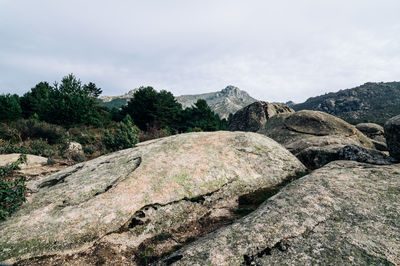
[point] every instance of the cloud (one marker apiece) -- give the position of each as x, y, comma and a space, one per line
277, 51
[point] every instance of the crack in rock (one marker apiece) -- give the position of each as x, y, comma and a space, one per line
58, 179
282, 245
138, 216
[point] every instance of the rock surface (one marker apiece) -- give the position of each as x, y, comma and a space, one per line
134, 205
254, 116
372, 131
74, 147
286, 128
315, 152
32, 160
392, 134
316, 157
344, 213
36, 166
376, 133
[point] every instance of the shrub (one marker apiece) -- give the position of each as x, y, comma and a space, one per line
33, 129
124, 135
78, 157
9, 133
35, 147
154, 133
12, 188
6, 147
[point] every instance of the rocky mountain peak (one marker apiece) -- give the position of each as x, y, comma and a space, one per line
232, 91
223, 102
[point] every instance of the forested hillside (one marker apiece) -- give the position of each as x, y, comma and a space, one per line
371, 102
48, 117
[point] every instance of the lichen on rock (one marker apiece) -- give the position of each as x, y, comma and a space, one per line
344, 213
156, 197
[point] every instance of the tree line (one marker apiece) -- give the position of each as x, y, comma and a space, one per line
71, 103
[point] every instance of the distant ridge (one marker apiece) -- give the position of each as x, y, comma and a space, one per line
223, 103
116, 101
371, 102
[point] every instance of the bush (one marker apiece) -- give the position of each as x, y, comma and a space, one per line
124, 135
35, 147
9, 133
154, 133
12, 188
33, 129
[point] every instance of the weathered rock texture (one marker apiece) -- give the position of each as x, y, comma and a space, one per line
286, 128
372, 131
132, 206
345, 213
315, 152
392, 134
254, 116
32, 160
35, 167
376, 133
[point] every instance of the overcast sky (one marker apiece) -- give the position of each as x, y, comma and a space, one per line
275, 50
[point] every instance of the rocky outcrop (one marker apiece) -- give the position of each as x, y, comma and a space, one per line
133, 206
316, 157
254, 116
376, 133
392, 134
224, 102
372, 131
315, 152
344, 213
286, 128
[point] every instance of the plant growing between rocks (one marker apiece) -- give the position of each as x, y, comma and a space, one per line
12, 188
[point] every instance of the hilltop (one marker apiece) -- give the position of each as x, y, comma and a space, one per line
223, 103
371, 102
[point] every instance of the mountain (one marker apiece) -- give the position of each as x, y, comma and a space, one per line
223, 103
371, 102
116, 101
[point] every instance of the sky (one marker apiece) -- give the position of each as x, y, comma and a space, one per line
275, 50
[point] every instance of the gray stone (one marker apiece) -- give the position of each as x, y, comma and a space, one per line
346, 213
287, 128
376, 133
155, 197
380, 146
315, 152
254, 116
316, 157
392, 134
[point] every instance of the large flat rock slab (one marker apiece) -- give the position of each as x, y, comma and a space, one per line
344, 213
158, 195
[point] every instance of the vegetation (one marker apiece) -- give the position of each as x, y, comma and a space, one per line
67, 104
44, 120
123, 136
10, 107
371, 102
12, 188
151, 109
